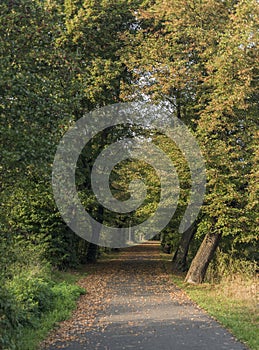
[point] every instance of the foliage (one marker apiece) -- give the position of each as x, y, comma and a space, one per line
202, 58
28, 292
30, 215
61, 59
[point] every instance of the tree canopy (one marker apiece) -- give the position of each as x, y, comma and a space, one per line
62, 59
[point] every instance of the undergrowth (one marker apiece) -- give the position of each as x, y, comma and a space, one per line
32, 297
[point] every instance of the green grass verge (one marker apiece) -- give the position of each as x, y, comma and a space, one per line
67, 293
238, 315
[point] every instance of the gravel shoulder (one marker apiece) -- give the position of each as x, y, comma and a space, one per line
131, 303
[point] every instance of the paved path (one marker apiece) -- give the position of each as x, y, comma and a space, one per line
145, 310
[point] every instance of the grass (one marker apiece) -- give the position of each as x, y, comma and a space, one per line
109, 255
232, 302
67, 293
70, 277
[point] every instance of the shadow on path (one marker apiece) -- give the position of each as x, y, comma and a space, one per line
139, 308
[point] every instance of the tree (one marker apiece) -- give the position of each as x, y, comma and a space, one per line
226, 126
201, 57
93, 39
32, 110
168, 58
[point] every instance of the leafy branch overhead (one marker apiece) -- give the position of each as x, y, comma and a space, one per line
62, 59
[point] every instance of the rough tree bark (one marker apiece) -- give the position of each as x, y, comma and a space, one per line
179, 261
200, 263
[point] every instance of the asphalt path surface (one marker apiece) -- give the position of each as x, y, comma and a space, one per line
140, 308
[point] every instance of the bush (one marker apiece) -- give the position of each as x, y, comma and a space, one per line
32, 238
24, 288
30, 215
9, 320
33, 294
27, 300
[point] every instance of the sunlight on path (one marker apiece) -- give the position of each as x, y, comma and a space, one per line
135, 305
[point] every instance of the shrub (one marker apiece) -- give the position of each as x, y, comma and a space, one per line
33, 294
9, 319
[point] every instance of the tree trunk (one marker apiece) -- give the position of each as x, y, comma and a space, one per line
92, 251
200, 263
180, 256
91, 255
